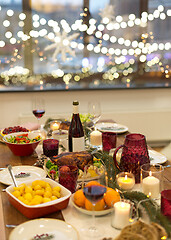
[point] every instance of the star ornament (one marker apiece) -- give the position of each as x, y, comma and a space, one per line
107, 14
61, 44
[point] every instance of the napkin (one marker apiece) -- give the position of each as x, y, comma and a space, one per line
79, 220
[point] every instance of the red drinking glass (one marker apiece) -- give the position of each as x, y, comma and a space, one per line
166, 203
134, 154
50, 147
68, 176
108, 140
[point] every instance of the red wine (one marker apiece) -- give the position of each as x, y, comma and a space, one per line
76, 139
38, 113
94, 193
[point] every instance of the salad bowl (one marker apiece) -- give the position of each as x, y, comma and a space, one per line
22, 143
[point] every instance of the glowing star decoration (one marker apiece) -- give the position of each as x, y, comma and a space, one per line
61, 44
107, 14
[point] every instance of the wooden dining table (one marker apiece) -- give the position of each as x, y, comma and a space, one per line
10, 215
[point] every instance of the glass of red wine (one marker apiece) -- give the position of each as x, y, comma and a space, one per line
38, 108
94, 193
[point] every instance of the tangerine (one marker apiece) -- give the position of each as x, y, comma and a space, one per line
111, 196
100, 205
79, 198
92, 183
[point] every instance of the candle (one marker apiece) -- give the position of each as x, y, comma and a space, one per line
151, 186
126, 182
96, 138
54, 126
121, 215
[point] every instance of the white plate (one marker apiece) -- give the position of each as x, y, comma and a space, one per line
59, 229
97, 213
111, 127
35, 173
156, 157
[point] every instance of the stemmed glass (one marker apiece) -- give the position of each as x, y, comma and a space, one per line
38, 108
94, 192
94, 109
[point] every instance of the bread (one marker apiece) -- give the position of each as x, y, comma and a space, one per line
79, 159
130, 236
146, 230
161, 231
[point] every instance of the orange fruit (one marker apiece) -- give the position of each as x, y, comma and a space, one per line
92, 183
111, 196
79, 198
100, 205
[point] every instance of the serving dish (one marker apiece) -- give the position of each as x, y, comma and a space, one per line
42, 209
57, 229
22, 173
111, 127
25, 149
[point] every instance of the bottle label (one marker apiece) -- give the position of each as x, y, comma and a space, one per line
78, 144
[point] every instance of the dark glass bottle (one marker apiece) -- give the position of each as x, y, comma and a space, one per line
76, 139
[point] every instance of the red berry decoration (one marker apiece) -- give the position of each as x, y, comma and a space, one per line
14, 129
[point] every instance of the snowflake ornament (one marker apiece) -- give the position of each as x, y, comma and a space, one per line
61, 44
107, 14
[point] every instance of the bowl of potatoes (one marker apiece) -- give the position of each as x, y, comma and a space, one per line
39, 197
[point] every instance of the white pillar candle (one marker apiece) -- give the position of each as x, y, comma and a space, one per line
126, 182
54, 126
121, 215
96, 138
151, 186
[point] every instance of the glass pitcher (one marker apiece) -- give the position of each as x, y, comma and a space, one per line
134, 154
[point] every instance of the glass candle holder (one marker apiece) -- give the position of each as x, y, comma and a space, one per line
166, 201
68, 176
125, 180
152, 179
108, 140
50, 147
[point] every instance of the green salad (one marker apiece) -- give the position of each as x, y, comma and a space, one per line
22, 139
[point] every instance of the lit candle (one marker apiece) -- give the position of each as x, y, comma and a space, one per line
151, 186
126, 182
54, 126
96, 138
121, 215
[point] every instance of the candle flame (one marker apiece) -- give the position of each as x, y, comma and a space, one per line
150, 173
126, 176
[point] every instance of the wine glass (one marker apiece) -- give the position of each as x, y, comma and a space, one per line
94, 109
94, 193
38, 108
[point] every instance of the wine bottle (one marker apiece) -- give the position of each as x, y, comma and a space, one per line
76, 139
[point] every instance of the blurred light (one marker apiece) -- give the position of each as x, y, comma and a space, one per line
167, 46
117, 51
119, 18
98, 34
43, 21
13, 40
109, 26
20, 34
8, 34
150, 17
121, 41
135, 44
131, 51
160, 8
113, 39
127, 43
21, 24
130, 23
116, 26
22, 16
137, 51
144, 14
90, 47
161, 46
85, 62
124, 51
100, 27
2, 43
6, 23
73, 44
156, 13
162, 16
42, 32
123, 24
131, 61
137, 21
101, 61
10, 13
169, 12
140, 44
92, 21
97, 49
51, 35
104, 50
80, 46
142, 58
36, 24
111, 51
132, 16
105, 20
106, 36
